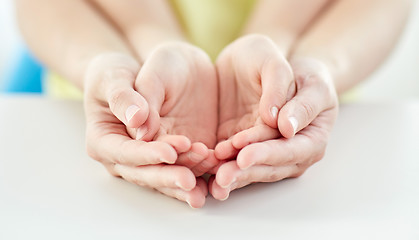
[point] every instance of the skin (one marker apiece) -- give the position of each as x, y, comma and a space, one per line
188, 75
259, 158
267, 82
151, 98
145, 163
327, 57
109, 70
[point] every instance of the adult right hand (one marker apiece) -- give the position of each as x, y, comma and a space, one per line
111, 105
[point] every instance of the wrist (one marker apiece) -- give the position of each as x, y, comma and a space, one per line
282, 40
334, 61
306, 68
107, 66
155, 37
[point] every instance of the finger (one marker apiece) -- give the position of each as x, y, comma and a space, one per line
216, 191
120, 149
258, 133
314, 95
125, 103
158, 176
300, 111
150, 128
225, 150
229, 173
225, 183
150, 86
180, 143
206, 164
216, 167
197, 153
277, 87
282, 151
195, 198
202, 185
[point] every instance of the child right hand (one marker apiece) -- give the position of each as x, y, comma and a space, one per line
110, 94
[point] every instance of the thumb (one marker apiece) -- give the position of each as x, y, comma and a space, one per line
300, 111
125, 103
152, 89
277, 87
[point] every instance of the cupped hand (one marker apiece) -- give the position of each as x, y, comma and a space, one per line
179, 83
313, 111
255, 82
109, 96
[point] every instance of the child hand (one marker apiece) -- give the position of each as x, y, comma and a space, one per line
255, 82
179, 83
109, 92
314, 107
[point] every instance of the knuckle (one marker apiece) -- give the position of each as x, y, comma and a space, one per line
116, 97
301, 167
257, 39
138, 181
111, 170
120, 73
291, 156
275, 176
310, 79
318, 156
308, 110
121, 157
92, 151
298, 173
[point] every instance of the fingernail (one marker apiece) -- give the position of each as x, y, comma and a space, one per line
195, 157
178, 184
131, 111
294, 123
189, 202
229, 184
248, 166
141, 132
167, 161
274, 112
225, 198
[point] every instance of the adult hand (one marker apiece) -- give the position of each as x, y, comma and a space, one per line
109, 97
312, 110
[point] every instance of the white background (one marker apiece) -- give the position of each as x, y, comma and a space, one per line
397, 78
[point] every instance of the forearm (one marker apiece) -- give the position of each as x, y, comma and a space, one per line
144, 23
66, 35
353, 37
282, 20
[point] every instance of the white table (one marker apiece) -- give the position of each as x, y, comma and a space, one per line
366, 187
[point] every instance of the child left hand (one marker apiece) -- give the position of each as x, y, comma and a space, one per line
255, 82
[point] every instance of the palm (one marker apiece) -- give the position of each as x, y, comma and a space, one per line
190, 107
239, 106
180, 85
240, 122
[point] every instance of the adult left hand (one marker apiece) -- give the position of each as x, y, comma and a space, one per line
311, 113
